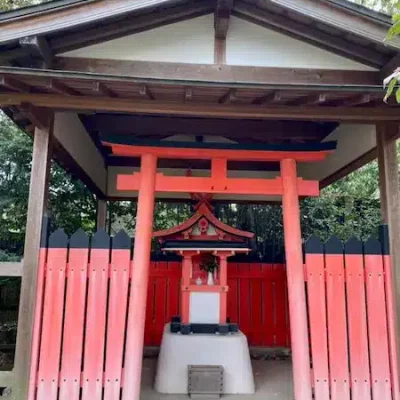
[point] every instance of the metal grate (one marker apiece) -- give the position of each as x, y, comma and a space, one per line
205, 381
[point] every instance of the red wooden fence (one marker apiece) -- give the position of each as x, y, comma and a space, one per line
351, 318
82, 306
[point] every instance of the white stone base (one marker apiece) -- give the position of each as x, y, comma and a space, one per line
178, 351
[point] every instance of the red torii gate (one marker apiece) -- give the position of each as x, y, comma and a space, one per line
147, 182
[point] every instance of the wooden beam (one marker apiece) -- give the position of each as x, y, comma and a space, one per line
144, 91
61, 88
11, 269
221, 18
235, 111
228, 97
39, 117
312, 99
38, 48
219, 51
37, 201
14, 84
101, 215
101, 89
178, 184
390, 207
304, 31
220, 73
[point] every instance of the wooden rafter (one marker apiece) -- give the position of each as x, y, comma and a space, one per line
61, 88
273, 97
14, 84
38, 48
221, 18
228, 97
357, 100
314, 99
316, 113
101, 89
144, 91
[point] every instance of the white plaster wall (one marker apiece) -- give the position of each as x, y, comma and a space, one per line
353, 141
250, 44
190, 41
70, 132
204, 308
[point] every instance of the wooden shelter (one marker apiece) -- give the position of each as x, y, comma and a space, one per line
248, 95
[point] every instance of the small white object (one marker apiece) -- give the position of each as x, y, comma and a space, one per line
210, 279
199, 282
179, 351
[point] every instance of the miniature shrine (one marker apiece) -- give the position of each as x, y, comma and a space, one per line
205, 243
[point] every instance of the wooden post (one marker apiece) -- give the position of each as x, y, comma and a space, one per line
296, 285
38, 191
140, 277
101, 215
386, 134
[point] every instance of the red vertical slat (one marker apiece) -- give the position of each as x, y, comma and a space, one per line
244, 302
50, 348
377, 327
149, 323
233, 294
174, 270
95, 322
71, 363
37, 327
116, 318
268, 305
337, 330
357, 325
160, 303
315, 273
256, 309
280, 293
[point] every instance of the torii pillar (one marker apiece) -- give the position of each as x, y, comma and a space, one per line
140, 278
295, 279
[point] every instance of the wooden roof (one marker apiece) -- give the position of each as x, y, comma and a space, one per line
64, 25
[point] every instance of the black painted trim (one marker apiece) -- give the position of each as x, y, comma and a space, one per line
334, 246
79, 240
372, 247
101, 240
353, 246
384, 239
129, 140
44, 233
58, 240
314, 245
121, 241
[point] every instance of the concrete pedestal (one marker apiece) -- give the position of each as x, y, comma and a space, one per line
178, 351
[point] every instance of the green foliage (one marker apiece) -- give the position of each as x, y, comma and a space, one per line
385, 6
6, 5
71, 203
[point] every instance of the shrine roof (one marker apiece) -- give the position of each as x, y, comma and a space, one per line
203, 212
174, 245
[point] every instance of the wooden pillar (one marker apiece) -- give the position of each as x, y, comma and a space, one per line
223, 281
38, 191
185, 297
296, 285
101, 215
386, 134
140, 277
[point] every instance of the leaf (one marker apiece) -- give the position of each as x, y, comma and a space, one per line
398, 95
390, 89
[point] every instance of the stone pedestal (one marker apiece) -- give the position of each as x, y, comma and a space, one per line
178, 351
